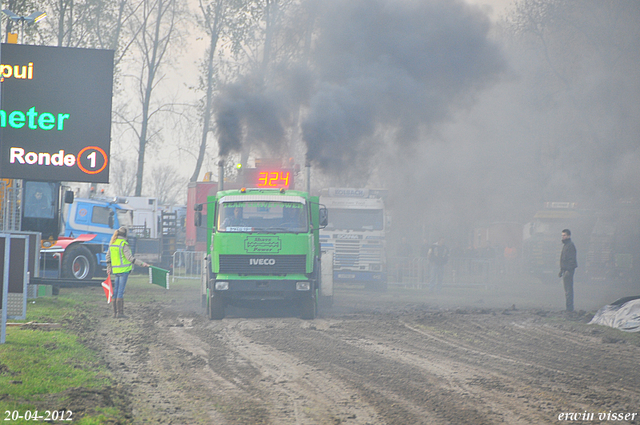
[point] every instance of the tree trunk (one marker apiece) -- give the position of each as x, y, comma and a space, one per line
206, 118
152, 64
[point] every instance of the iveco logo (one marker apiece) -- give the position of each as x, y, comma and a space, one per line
262, 261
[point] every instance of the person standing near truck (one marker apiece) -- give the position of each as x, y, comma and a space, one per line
568, 265
120, 262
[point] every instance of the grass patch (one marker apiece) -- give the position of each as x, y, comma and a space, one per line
51, 369
46, 362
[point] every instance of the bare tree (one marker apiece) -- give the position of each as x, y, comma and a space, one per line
82, 23
168, 185
577, 62
157, 29
123, 176
99, 24
254, 33
265, 39
213, 19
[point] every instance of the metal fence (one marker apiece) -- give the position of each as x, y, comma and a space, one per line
187, 264
10, 196
459, 271
406, 271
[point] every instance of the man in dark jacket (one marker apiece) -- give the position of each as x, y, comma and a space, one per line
568, 265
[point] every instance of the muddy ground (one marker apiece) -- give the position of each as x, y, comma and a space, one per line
504, 353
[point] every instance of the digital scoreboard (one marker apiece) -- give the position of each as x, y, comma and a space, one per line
268, 178
55, 115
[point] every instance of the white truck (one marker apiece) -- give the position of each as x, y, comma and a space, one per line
355, 235
146, 216
158, 229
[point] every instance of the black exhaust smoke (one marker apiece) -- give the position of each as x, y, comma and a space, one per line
391, 70
380, 72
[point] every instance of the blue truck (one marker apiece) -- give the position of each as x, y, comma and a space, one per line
75, 232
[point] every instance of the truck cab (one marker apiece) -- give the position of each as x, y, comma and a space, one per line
263, 248
80, 251
97, 216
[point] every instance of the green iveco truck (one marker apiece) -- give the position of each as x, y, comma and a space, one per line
263, 248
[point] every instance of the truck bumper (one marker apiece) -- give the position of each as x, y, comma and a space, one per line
260, 290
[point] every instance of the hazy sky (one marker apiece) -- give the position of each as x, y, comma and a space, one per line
494, 8
184, 76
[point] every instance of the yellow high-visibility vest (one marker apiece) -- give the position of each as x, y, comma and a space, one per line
119, 264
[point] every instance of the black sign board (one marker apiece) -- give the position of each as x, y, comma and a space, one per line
55, 119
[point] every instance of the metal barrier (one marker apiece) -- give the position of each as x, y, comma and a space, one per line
10, 196
472, 271
459, 271
140, 230
406, 271
187, 264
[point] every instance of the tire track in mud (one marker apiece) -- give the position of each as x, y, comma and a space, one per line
457, 380
401, 391
582, 380
513, 386
568, 353
290, 392
496, 392
151, 368
379, 366
275, 386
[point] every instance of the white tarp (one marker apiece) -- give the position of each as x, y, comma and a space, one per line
623, 314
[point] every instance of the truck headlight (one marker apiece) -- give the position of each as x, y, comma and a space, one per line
303, 286
222, 285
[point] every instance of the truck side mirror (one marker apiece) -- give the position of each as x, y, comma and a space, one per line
111, 219
323, 217
68, 197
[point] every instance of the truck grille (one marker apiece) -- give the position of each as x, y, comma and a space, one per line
262, 264
355, 254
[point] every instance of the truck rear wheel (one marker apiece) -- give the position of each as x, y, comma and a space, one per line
309, 307
215, 309
79, 263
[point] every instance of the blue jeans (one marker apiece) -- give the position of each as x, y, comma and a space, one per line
119, 281
567, 280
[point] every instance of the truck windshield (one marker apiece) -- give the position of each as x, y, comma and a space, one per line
263, 216
41, 208
355, 219
39, 201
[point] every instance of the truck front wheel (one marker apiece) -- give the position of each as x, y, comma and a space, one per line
215, 309
309, 307
78, 263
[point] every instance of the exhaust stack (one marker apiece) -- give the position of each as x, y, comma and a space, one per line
221, 175
307, 166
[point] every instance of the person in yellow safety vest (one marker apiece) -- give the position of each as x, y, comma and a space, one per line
120, 262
